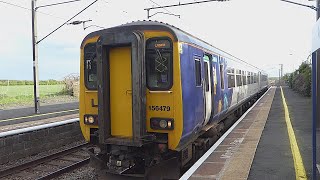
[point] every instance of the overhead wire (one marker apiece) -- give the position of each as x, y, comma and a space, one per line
4, 2
160, 5
67, 21
169, 12
40, 12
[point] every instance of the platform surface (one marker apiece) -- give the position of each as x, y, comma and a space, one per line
23, 115
274, 159
232, 159
259, 147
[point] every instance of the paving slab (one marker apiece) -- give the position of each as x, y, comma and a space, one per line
273, 159
36, 122
232, 159
21, 115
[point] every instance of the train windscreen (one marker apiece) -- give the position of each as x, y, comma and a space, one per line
90, 65
159, 63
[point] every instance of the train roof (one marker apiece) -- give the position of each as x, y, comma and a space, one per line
177, 33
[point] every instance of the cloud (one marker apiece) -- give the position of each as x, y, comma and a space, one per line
260, 32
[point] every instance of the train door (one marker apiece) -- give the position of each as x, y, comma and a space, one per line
121, 88
239, 89
120, 91
259, 79
200, 113
207, 88
214, 82
222, 98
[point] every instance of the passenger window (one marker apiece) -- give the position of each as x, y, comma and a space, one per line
231, 79
255, 78
221, 76
159, 64
244, 78
197, 65
238, 77
239, 80
249, 78
90, 65
252, 78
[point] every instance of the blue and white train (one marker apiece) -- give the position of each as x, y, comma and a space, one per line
150, 93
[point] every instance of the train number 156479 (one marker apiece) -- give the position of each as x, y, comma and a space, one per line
159, 108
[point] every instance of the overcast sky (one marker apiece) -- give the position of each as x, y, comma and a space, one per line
261, 32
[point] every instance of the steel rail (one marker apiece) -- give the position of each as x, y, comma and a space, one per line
15, 169
65, 169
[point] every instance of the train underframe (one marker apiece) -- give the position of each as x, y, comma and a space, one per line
153, 159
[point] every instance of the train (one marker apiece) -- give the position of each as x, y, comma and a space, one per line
152, 95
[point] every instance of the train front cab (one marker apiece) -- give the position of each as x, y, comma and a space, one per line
138, 120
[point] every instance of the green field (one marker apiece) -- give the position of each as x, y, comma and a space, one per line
27, 90
24, 93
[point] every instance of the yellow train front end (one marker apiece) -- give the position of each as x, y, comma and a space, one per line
88, 90
131, 99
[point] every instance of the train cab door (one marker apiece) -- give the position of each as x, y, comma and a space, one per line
121, 88
120, 91
207, 87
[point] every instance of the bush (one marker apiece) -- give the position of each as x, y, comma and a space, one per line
27, 82
300, 80
3, 96
71, 83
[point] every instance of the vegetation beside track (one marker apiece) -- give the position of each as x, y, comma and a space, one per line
28, 82
300, 80
18, 93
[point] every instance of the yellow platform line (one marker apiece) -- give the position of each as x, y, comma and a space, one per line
38, 115
297, 159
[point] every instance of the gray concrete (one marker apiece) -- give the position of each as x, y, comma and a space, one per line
36, 128
15, 113
273, 158
22, 145
300, 110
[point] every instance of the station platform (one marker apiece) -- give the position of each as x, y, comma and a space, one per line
273, 140
14, 119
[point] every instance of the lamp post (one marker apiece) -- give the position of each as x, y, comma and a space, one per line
315, 102
280, 73
35, 58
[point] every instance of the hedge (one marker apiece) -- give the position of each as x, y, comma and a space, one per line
300, 80
27, 82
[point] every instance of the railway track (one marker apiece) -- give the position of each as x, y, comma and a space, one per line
50, 166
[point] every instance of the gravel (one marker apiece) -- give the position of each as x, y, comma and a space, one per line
86, 173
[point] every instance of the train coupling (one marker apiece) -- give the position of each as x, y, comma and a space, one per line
119, 165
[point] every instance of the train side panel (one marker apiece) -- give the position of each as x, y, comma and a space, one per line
192, 95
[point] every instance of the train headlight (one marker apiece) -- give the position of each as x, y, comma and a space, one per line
161, 123
90, 119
